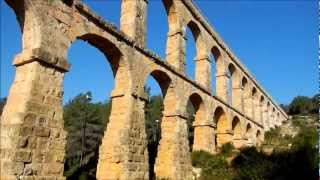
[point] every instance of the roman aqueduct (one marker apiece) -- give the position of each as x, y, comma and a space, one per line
32, 135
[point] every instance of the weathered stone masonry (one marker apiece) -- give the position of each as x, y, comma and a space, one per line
32, 138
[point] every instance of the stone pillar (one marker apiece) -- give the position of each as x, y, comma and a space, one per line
203, 72
244, 142
204, 137
246, 133
239, 142
236, 90
272, 122
242, 101
254, 108
239, 139
224, 137
248, 105
237, 97
133, 19
222, 86
260, 139
33, 140
257, 111
250, 142
123, 153
175, 52
270, 118
265, 119
262, 113
173, 159
271, 125
278, 120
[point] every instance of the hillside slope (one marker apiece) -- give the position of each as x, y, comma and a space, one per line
288, 152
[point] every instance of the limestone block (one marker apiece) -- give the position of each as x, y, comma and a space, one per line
12, 168
22, 156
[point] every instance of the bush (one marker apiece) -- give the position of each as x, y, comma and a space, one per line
213, 166
227, 149
298, 121
300, 162
274, 133
251, 164
203, 159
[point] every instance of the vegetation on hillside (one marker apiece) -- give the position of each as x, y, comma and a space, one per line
299, 161
212, 166
274, 138
292, 157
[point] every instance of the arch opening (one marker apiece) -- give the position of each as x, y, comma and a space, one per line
192, 38
254, 102
249, 133
249, 130
268, 118
196, 116
160, 100
258, 138
236, 128
273, 116
262, 109
231, 83
221, 122
215, 56
245, 92
111, 52
254, 92
88, 110
245, 96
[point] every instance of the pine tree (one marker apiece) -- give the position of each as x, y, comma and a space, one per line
85, 123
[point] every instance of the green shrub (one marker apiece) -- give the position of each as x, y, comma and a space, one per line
203, 159
251, 164
272, 134
297, 121
213, 166
227, 149
299, 162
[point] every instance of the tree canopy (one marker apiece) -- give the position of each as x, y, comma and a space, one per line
85, 123
304, 105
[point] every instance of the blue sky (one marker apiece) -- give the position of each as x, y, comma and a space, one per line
275, 40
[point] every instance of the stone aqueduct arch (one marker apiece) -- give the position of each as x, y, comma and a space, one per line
32, 135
